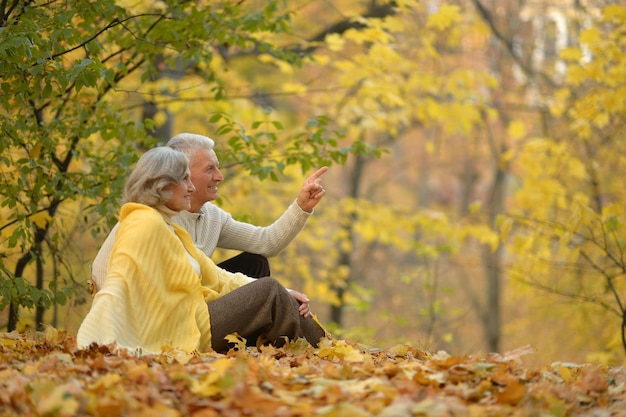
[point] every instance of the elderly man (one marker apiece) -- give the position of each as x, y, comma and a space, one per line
211, 227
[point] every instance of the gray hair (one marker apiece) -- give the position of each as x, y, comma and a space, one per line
156, 169
188, 143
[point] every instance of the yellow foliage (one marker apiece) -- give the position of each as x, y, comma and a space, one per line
615, 13
335, 42
294, 88
475, 206
375, 35
52, 398
209, 383
560, 101
41, 219
160, 118
590, 36
575, 75
284, 67
394, 24
145, 6
446, 16
571, 54
339, 350
516, 129
321, 59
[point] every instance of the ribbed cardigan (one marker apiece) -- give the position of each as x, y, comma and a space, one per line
213, 227
152, 297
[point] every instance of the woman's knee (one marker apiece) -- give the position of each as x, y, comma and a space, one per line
268, 283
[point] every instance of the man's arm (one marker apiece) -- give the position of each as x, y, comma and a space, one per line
267, 241
215, 227
271, 240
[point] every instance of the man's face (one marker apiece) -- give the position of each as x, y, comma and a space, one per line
205, 175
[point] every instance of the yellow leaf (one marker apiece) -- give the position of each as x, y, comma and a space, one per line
297, 347
212, 383
52, 335
54, 399
41, 219
571, 54
265, 58
322, 60
576, 169
516, 129
394, 24
238, 341
575, 75
615, 13
294, 88
339, 350
590, 36
36, 150
601, 120
335, 42
105, 382
475, 206
160, 118
444, 18
343, 410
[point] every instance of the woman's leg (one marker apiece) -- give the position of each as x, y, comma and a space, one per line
261, 308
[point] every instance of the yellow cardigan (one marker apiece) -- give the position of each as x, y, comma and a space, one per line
152, 297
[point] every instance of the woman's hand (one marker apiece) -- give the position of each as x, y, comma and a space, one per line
305, 308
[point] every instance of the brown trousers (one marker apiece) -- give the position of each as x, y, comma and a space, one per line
263, 308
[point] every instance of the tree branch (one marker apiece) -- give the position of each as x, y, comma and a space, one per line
508, 44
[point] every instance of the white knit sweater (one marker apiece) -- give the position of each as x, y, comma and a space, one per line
213, 227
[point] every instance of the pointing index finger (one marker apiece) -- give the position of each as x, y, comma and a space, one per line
318, 173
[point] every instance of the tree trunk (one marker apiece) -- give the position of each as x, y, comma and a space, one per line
492, 263
39, 309
345, 260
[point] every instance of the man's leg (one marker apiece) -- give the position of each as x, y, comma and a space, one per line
261, 308
250, 264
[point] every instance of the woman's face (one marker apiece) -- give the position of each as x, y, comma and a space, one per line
181, 193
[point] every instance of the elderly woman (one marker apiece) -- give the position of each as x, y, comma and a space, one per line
161, 291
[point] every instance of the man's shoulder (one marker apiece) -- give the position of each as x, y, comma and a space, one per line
209, 212
210, 208
212, 212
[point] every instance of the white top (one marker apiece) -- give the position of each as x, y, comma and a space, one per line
213, 227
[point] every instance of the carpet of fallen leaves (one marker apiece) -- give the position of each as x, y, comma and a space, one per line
44, 374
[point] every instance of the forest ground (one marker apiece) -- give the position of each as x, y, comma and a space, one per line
44, 374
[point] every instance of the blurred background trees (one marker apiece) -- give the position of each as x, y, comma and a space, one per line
474, 201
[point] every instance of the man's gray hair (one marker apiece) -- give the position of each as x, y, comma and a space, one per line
188, 143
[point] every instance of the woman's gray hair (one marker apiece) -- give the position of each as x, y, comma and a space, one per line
156, 169
189, 143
